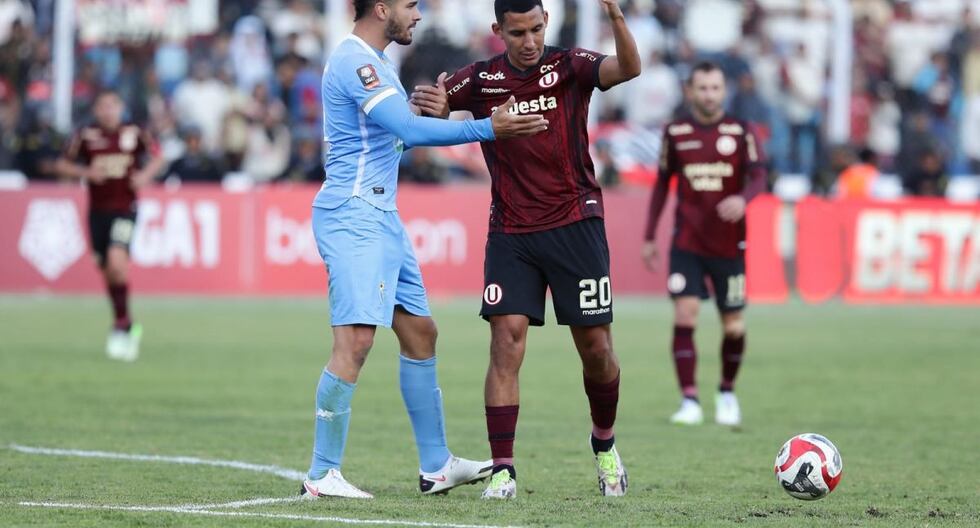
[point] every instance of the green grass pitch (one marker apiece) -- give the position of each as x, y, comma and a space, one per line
896, 388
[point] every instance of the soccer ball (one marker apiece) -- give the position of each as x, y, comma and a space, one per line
808, 466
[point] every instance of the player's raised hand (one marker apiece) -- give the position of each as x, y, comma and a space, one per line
432, 100
508, 125
732, 209
611, 8
651, 255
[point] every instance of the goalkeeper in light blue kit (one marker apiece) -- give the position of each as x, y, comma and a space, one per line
374, 275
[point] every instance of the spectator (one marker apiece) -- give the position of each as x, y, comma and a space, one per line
748, 105
250, 55
422, 168
202, 102
884, 127
9, 117
267, 150
910, 43
40, 146
653, 96
803, 85
196, 165
306, 161
917, 142
300, 25
857, 181
928, 177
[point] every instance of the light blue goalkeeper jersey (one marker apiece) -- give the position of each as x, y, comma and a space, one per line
367, 123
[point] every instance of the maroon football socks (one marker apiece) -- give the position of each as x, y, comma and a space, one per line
685, 360
501, 426
603, 400
119, 296
732, 349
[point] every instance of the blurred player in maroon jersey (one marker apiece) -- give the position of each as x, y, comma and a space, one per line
546, 226
115, 159
720, 168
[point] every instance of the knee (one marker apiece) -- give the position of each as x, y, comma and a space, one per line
734, 327
507, 345
360, 345
422, 344
597, 349
115, 274
686, 315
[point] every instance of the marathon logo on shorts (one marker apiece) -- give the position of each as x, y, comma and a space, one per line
368, 76
493, 294
378, 190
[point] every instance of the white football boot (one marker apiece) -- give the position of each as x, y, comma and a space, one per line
332, 484
456, 472
689, 413
612, 474
727, 411
502, 486
117, 345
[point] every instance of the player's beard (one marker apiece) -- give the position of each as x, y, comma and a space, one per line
396, 32
709, 111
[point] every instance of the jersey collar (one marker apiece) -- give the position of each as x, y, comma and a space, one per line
365, 45
524, 73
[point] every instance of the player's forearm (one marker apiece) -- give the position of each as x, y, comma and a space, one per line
657, 201
416, 131
755, 184
70, 169
627, 54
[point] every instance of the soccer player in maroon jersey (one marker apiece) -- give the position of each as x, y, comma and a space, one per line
546, 226
720, 168
115, 159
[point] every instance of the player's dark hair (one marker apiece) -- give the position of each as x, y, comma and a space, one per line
361, 7
703, 67
103, 92
501, 7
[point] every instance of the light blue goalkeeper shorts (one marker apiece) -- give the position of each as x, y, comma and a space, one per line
370, 262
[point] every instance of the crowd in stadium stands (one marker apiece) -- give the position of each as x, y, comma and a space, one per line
246, 99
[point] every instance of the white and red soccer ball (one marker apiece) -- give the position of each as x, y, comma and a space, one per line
808, 466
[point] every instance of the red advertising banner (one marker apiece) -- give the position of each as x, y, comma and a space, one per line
914, 250
203, 240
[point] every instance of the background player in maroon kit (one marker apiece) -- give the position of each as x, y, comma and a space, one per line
114, 159
720, 168
546, 227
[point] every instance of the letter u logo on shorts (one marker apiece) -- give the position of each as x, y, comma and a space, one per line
493, 294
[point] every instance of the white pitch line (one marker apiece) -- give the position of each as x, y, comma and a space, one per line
282, 472
284, 516
242, 503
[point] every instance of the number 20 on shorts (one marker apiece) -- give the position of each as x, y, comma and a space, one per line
595, 293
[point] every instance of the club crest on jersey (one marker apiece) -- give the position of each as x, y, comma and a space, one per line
726, 145
493, 294
368, 76
128, 139
548, 80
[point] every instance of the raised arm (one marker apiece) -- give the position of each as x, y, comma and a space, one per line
626, 64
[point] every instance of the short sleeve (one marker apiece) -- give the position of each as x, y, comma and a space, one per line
754, 152
459, 88
361, 77
585, 64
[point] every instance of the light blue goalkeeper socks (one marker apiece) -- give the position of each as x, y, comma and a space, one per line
333, 397
423, 401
